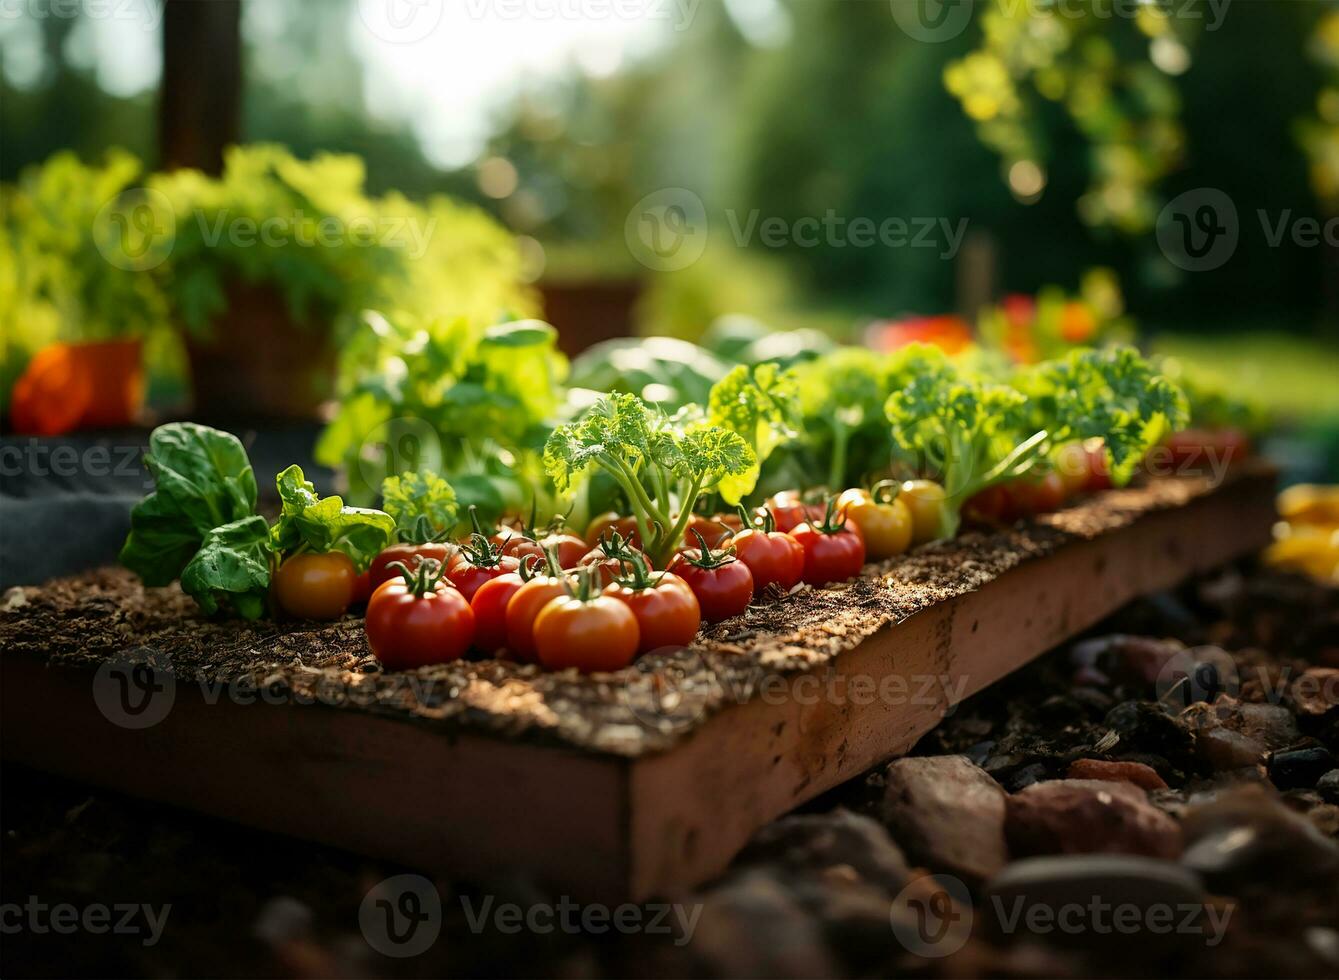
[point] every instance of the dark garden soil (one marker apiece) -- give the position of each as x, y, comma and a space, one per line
1219, 801
84, 620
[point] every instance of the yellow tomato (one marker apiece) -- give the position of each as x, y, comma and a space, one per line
925, 500
886, 527
1308, 503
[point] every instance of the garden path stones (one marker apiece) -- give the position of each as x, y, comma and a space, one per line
752, 926
1104, 901
948, 813
817, 842
1078, 816
1143, 776
1299, 768
1246, 840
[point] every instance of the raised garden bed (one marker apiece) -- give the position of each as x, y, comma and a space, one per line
633, 784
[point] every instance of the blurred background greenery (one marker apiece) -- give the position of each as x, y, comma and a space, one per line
1056, 131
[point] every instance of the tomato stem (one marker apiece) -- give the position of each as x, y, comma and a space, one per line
423, 578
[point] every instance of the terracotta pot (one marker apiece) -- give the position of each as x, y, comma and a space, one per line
586, 312
256, 363
88, 385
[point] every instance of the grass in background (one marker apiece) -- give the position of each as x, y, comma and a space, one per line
1295, 377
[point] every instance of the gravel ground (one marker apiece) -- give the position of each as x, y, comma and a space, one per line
1161, 796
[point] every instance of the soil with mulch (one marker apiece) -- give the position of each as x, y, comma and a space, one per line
1179, 758
84, 620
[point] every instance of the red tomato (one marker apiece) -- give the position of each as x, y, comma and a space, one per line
1029, 497
412, 624
789, 511
489, 606
608, 562
521, 612
723, 588
362, 588
411, 554
988, 506
472, 568
715, 530
610, 521
598, 633
315, 586
832, 552
1099, 470
771, 556
666, 610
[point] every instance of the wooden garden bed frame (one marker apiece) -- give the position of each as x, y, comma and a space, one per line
611, 827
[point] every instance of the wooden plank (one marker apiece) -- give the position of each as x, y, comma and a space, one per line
606, 826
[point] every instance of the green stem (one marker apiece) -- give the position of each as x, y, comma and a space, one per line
665, 546
841, 435
636, 496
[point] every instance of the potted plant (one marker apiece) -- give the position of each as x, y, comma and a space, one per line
76, 307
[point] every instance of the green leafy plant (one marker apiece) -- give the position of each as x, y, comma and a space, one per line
661, 464
974, 432
205, 492
422, 504
760, 404
309, 522
841, 398
443, 394
200, 523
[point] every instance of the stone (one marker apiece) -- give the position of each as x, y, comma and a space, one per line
1300, 767
1224, 749
1328, 786
1272, 725
815, 842
1145, 777
1316, 691
948, 814
1025, 776
1070, 900
1080, 816
1245, 839
751, 925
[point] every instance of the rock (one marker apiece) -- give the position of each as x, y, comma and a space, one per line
1081, 816
1316, 691
852, 914
1272, 725
1246, 840
980, 752
1224, 749
815, 842
1145, 726
1325, 818
1026, 776
1300, 767
1328, 786
752, 926
1072, 901
948, 814
1145, 777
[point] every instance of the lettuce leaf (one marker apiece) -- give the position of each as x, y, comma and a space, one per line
232, 568
203, 480
309, 522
